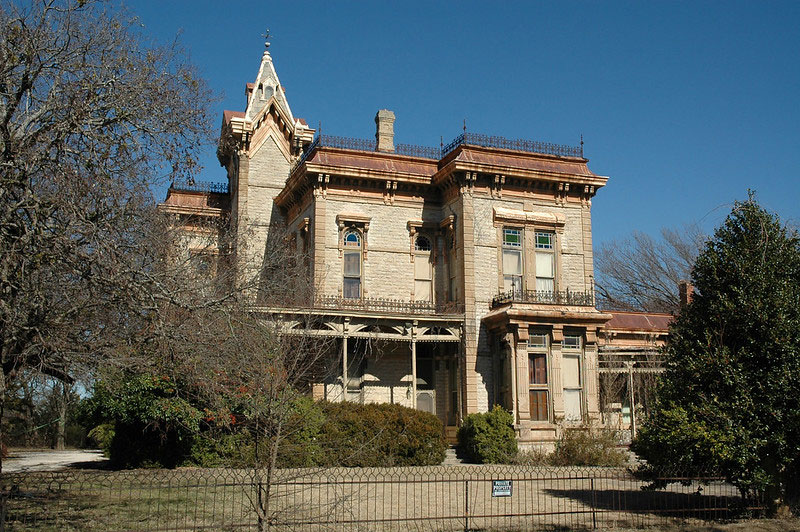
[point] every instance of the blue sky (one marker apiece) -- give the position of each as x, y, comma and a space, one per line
684, 105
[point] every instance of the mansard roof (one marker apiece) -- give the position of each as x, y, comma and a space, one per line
518, 159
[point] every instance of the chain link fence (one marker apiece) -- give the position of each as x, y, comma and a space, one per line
386, 499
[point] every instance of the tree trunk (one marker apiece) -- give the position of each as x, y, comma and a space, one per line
62, 417
2, 422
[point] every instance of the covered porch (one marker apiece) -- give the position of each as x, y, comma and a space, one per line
387, 357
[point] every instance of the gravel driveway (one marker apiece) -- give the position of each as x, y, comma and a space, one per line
49, 460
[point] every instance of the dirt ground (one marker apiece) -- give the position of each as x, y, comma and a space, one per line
751, 525
49, 460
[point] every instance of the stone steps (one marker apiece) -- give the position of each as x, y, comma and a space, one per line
451, 458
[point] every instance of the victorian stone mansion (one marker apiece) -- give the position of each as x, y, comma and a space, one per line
469, 265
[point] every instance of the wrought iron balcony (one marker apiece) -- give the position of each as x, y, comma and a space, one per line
565, 297
394, 306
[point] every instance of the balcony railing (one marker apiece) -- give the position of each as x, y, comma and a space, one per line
393, 306
199, 186
532, 146
429, 152
565, 297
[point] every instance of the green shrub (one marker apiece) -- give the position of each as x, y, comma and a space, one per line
488, 438
379, 435
146, 423
300, 446
102, 436
587, 446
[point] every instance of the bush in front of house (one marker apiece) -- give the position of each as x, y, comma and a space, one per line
587, 446
143, 421
488, 438
379, 435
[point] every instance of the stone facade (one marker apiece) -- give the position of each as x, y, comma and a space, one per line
451, 279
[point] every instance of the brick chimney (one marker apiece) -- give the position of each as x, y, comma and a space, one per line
384, 131
686, 292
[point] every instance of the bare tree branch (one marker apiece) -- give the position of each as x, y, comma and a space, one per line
642, 273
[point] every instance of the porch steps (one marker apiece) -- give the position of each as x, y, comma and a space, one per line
451, 458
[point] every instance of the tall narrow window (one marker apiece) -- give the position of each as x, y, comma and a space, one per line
512, 260
571, 377
452, 270
352, 265
423, 269
537, 377
545, 262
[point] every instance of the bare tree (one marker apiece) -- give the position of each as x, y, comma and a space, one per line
642, 273
91, 117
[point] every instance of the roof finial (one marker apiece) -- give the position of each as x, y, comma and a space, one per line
465, 125
266, 36
581, 144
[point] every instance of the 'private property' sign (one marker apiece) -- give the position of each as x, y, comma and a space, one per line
501, 488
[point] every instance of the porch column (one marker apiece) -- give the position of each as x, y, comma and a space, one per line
414, 365
556, 385
591, 376
521, 363
631, 398
345, 377
512, 363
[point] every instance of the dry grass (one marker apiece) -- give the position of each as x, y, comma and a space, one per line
419, 498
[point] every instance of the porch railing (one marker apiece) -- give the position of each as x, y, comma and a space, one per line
542, 297
387, 305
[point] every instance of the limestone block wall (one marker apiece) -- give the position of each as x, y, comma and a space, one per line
387, 269
260, 220
573, 244
487, 260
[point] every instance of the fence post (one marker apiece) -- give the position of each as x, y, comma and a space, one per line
594, 506
466, 506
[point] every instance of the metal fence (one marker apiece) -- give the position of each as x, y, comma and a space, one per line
415, 498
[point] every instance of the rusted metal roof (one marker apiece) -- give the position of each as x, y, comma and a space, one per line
526, 161
640, 321
377, 161
227, 115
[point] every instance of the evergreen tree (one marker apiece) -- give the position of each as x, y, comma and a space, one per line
730, 398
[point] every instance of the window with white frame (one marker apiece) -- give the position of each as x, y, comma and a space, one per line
545, 262
423, 269
538, 381
572, 381
351, 284
512, 260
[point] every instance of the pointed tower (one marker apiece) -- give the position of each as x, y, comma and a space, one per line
258, 147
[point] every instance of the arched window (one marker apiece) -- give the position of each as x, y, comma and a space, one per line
352, 239
422, 243
352, 264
